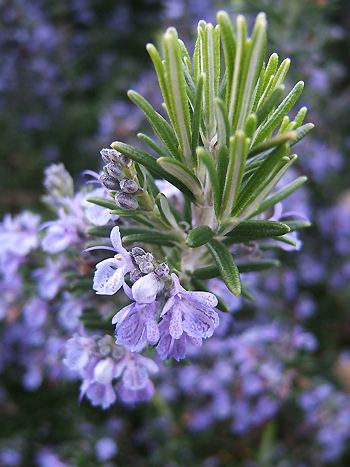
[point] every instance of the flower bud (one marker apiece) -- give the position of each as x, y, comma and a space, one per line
144, 262
113, 170
109, 182
125, 201
146, 267
129, 186
58, 181
137, 251
109, 155
162, 270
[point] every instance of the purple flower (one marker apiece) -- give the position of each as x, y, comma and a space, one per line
35, 312
95, 214
18, 237
78, 352
110, 273
69, 311
60, 234
192, 313
136, 385
101, 394
105, 449
49, 278
136, 325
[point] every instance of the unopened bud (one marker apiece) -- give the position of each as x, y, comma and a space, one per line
58, 181
129, 186
109, 155
113, 170
109, 182
162, 270
137, 251
146, 267
125, 201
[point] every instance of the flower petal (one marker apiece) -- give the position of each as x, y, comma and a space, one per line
146, 288
135, 376
204, 298
104, 371
151, 326
175, 325
117, 243
118, 317
109, 277
199, 322
131, 332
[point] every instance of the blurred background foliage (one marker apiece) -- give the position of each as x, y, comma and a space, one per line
64, 70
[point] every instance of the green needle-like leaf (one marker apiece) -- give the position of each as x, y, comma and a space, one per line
227, 268
229, 47
237, 158
270, 103
106, 203
160, 126
199, 236
181, 173
223, 125
165, 211
260, 179
209, 272
256, 229
197, 114
177, 92
152, 237
271, 68
281, 194
278, 140
276, 117
152, 144
238, 69
297, 224
205, 157
254, 63
302, 131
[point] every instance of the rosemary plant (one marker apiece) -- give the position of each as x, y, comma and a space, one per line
225, 141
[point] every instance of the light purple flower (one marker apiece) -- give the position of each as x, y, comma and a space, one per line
191, 312
78, 352
19, 234
35, 312
109, 275
18, 237
101, 394
97, 215
136, 325
105, 449
136, 385
60, 234
49, 278
69, 311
